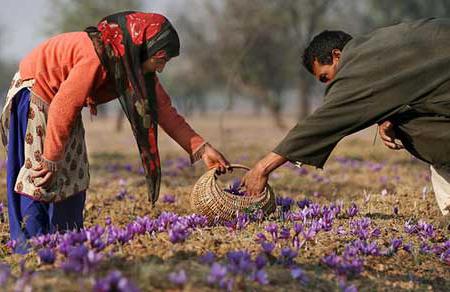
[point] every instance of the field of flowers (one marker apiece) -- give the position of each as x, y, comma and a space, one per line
365, 223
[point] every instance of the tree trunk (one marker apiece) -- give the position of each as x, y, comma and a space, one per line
119, 120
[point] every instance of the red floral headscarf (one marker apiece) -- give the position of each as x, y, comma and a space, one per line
124, 41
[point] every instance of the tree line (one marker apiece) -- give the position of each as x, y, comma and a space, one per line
249, 50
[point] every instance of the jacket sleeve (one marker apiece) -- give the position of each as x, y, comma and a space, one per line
174, 124
344, 112
66, 106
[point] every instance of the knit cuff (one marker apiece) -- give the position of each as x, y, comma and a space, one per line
52, 166
198, 153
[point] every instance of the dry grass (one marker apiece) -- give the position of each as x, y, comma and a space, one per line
148, 260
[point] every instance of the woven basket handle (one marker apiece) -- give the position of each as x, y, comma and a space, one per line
239, 166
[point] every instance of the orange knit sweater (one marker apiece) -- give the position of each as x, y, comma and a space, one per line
68, 75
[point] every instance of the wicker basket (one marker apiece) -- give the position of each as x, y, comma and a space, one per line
209, 199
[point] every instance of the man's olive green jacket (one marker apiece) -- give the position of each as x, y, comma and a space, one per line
400, 73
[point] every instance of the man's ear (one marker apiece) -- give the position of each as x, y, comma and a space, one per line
336, 53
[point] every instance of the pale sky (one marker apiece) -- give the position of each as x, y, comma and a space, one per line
22, 23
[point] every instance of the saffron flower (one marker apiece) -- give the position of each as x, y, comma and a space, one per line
287, 256
352, 211
260, 276
217, 273
267, 247
114, 281
5, 272
47, 256
168, 199
272, 228
304, 203
208, 258
178, 278
299, 275
235, 188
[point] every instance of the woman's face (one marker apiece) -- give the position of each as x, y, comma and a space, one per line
154, 64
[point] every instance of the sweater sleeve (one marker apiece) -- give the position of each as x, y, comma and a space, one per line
66, 106
174, 124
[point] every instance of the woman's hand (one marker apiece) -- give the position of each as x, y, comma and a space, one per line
214, 159
387, 135
44, 174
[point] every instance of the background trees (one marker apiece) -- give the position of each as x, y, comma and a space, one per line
242, 55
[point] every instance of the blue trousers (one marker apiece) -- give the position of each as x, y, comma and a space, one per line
28, 218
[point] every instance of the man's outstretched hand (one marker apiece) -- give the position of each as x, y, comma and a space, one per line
255, 179
387, 135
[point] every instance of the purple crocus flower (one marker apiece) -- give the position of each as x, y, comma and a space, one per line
285, 203
272, 228
425, 248
260, 276
11, 244
285, 233
298, 228
235, 188
260, 237
348, 264
350, 288
287, 256
352, 211
178, 278
114, 281
331, 260
396, 243
267, 247
407, 247
260, 261
208, 258
409, 227
47, 256
5, 272
168, 199
239, 262
425, 230
376, 232
297, 243
299, 275
81, 260
341, 230
304, 203
178, 232
309, 234
217, 273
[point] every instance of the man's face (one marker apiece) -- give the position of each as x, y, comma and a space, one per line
326, 72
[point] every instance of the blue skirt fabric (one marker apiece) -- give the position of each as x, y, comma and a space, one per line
28, 218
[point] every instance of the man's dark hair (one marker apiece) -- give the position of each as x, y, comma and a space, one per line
321, 47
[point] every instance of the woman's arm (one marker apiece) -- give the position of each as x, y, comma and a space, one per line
179, 130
